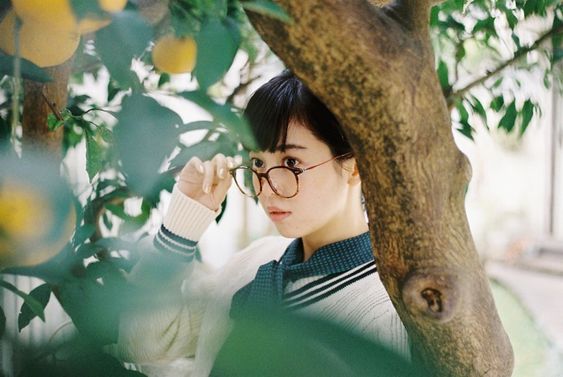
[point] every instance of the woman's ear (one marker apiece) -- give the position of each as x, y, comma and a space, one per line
354, 177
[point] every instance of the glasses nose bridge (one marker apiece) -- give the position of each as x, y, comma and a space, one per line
266, 177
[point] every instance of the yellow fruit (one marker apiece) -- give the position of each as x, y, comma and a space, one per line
174, 55
56, 12
59, 14
90, 25
27, 221
112, 6
40, 43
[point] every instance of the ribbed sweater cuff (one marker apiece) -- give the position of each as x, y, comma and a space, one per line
186, 217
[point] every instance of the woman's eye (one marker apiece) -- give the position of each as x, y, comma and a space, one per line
256, 163
290, 162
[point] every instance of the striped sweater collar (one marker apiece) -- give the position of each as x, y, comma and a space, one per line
332, 258
266, 290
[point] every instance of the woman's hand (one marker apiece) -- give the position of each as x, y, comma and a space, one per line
207, 182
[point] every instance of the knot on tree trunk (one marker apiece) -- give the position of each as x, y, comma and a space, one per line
434, 294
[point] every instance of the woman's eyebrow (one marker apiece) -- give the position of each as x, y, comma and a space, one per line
284, 147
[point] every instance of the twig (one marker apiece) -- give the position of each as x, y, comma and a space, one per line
17, 82
52, 106
521, 52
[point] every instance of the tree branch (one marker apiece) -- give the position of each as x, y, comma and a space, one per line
451, 98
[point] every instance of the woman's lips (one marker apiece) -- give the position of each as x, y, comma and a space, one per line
277, 214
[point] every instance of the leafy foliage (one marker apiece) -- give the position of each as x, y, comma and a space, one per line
134, 142
478, 45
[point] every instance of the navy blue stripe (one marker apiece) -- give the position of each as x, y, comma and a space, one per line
185, 248
177, 238
180, 254
320, 281
332, 291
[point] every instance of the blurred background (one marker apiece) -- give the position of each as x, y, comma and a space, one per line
514, 201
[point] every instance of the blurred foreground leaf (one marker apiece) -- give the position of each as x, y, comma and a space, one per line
29, 70
42, 294
145, 134
278, 345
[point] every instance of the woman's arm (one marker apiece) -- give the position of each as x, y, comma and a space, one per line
165, 325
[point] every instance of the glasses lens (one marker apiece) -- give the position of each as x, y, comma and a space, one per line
246, 181
284, 181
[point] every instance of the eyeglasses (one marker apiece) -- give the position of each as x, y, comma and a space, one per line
283, 180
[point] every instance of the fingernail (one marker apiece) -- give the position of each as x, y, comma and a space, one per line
206, 188
221, 173
200, 168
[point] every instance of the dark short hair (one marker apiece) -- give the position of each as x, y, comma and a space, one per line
283, 99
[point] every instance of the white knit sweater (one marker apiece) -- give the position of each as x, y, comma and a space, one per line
183, 339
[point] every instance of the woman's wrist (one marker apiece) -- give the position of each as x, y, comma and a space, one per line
187, 217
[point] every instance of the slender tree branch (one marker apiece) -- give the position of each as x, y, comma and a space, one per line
16, 83
53, 107
519, 54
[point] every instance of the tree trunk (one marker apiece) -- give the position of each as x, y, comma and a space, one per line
40, 100
374, 68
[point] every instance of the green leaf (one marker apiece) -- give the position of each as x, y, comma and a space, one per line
94, 155
217, 42
5, 129
466, 128
497, 82
225, 115
516, 41
204, 150
198, 125
34, 305
509, 118
53, 122
527, 114
42, 294
117, 44
261, 344
443, 76
83, 233
113, 89
88, 249
2, 322
497, 103
511, 18
267, 8
479, 109
146, 132
163, 79
29, 70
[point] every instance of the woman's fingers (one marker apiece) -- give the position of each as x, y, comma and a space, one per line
230, 163
193, 163
220, 162
208, 176
214, 173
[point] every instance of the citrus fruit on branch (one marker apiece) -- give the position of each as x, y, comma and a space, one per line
173, 54
40, 43
37, 216
60, 15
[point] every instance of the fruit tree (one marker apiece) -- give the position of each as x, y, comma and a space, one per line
397, 74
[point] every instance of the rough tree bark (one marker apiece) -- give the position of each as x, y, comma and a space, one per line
374, 67
40, 100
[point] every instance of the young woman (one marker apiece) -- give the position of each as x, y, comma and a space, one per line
307, 181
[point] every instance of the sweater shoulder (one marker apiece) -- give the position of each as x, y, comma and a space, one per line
262, 249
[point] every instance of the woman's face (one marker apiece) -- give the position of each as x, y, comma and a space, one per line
323, 191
